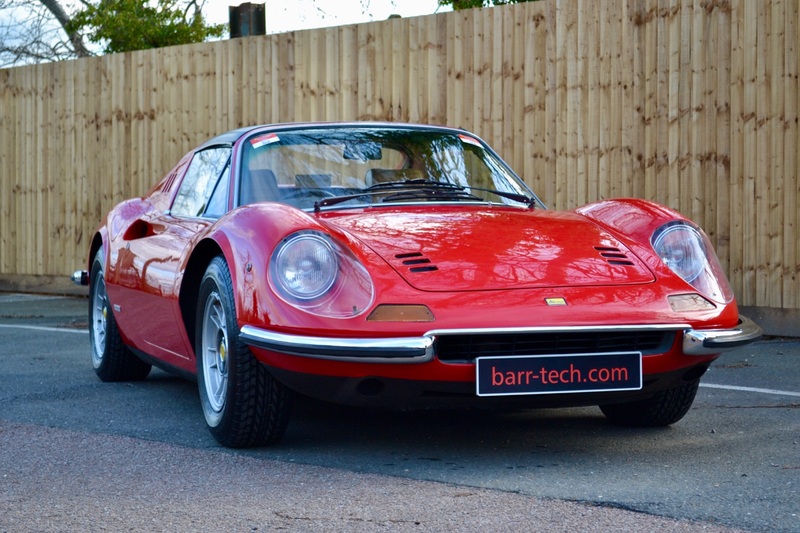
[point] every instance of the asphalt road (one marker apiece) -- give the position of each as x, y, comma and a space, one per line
78, 454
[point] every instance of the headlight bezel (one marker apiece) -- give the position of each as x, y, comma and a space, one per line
344, 289
686, 250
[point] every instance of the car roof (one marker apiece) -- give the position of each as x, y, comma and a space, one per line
230, 137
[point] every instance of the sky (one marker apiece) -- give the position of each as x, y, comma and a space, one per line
285, 15
289, 15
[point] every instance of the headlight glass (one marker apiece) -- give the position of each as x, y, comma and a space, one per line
687, 251
305, 266
681, 248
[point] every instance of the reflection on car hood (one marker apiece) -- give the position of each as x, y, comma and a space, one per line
490, 248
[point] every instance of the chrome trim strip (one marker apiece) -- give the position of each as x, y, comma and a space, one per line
560, 329
364, 350
713, 341
402, 350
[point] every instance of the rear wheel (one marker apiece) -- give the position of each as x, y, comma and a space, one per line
242, 403
665, 408
111, 359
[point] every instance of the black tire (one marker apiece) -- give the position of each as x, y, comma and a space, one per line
111, 359
665, 408
243, 404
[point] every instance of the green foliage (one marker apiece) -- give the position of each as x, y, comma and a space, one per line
124, 25
471, 4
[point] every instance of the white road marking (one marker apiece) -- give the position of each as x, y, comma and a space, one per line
12, 298
751, 389
43, 328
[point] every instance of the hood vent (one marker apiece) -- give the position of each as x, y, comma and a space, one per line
614, 256
416, 262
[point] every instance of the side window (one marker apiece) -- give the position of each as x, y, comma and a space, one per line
217, 205
200, 181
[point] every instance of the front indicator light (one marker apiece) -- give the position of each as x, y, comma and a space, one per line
681, 303
401, 313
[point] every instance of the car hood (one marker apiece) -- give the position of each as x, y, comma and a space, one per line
493, 248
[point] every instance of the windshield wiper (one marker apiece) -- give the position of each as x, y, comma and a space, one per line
423, 188
428, 194
416, 183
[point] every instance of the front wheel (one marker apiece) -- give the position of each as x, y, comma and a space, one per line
111, 359
242, 403
665, 408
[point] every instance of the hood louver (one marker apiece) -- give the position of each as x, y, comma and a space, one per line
416, 262
614, 256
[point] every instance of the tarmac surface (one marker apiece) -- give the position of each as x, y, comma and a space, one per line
78, 454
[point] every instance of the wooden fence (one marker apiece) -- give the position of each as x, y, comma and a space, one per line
692, 103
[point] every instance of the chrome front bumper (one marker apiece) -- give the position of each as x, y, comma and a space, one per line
80, 277
710, 341
393, 350
421, 349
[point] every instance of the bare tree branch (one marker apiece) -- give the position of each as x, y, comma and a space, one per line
63, 19
31, 33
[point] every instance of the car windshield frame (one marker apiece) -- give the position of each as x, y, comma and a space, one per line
357, 166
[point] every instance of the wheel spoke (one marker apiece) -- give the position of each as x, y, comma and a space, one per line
99, 320
214, 352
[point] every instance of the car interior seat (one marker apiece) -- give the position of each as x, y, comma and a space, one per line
259, 185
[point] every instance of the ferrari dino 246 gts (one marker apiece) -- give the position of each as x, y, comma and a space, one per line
399, 266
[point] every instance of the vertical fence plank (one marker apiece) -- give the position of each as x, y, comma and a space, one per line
8, 127
758, 256
646, 18
536, 97
775, 72
737, 151
751, 99
704, 117
791, 148
698, 136
723, 134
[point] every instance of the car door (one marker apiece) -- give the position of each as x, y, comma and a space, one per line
151, 257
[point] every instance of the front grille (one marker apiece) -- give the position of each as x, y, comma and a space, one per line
467, 347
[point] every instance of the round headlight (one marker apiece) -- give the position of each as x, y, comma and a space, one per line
304, 266
681, 248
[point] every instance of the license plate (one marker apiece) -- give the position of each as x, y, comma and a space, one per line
558, 374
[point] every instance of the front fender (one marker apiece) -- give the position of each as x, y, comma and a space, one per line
634, 221
247, 238
631, 217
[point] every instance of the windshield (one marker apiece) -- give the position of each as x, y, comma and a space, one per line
359, 166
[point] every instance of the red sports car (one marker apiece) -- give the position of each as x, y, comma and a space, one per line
400, 266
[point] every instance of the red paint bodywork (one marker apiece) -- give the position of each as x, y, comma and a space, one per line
497, 265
